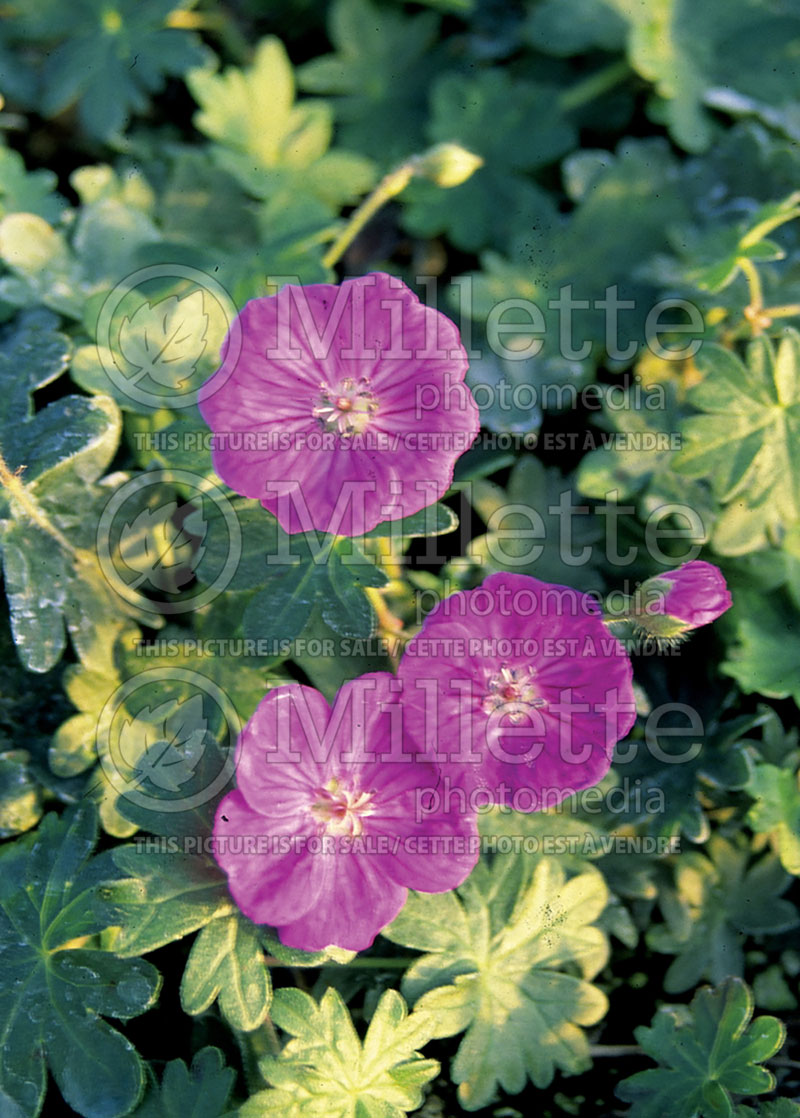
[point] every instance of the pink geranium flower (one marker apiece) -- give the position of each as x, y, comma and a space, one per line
324, 834
518, 691
340, 406
694, 594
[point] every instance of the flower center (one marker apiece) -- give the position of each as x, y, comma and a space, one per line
512, 686
340, 809
347, 409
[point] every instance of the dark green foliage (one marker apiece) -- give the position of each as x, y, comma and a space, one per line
643, 153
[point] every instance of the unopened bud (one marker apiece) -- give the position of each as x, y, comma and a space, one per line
447, 164
675, 602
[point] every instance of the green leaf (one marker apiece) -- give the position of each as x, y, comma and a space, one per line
345, 607
494, 967
101, 183
326, 1069
158, 545
56, 992
335, 659
110, 232
771, 990
164, 894
163, 340
261, 538
170, 885
744, 443
20, 796
31, 708
294, 957
72, 430
774, 1108
749, 242
35, 574
564, 27
765, 654
240, 676
89, 685
44, 267
232, 107
524, 520
776, 811
69, 441
72, 750
31, 192
19, 79
555, 259
489, 114
715, 902
189, 206
294, 230
481, 462
285, 151
685, 783
691, 51
226, 962
435, 520
706, 1053
111, 60
379, 75
156, 347
641, 443
48, 589
201, 1091
283, 609
507, 391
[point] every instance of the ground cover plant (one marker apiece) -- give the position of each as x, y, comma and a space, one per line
400, 533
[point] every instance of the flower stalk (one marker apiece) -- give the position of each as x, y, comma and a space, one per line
445, 164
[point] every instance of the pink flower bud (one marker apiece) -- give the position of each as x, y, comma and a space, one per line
694, 594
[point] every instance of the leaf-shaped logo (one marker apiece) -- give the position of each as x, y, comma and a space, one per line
161, 549
165, 340
164, 744
165, 768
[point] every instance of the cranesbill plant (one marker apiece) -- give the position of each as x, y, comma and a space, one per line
339, 928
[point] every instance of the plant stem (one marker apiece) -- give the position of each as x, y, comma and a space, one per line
611, 1050
300, 979
12, 482
320, 237
389, 186
249, 1057
260, 1042
389, 627
272, 1036
588, 90
754, 312
787, 310
264, 1039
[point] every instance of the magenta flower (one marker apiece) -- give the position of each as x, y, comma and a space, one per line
340, 406
324, 834
694, 594
518, 691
